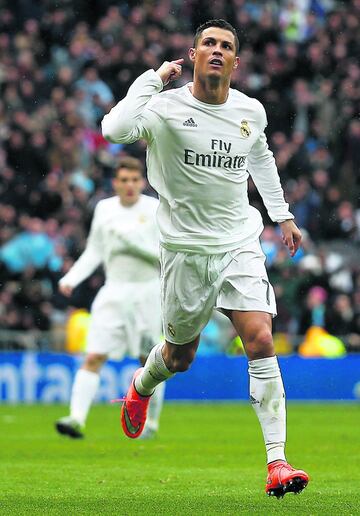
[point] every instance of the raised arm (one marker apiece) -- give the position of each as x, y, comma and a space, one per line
128, 121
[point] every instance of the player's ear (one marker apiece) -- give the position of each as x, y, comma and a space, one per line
192, 52
236, 62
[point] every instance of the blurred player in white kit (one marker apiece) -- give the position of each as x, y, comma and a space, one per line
125, 315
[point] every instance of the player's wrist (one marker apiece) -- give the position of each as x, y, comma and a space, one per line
290, 219
158, 78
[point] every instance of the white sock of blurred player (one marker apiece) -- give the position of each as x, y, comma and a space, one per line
155, 406
268, 399
85, 386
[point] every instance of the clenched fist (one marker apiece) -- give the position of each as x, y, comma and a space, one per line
170, 71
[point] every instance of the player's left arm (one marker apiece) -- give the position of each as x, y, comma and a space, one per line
263, 170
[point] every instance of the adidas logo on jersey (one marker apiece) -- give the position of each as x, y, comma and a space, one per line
190, 123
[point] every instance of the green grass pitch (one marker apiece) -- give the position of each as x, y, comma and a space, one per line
208, 459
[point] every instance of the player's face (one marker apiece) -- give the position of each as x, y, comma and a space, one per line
128, 184
214, 54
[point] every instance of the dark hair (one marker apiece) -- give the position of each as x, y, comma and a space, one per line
130, 163
221, 24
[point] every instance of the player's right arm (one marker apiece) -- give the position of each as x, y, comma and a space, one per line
143, 242
128, 121
88, 261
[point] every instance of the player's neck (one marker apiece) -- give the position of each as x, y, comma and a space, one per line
209, 91
126, 203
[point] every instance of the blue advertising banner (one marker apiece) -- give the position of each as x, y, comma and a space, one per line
47, 378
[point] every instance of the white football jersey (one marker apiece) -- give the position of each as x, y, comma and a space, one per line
124, 239
198, 160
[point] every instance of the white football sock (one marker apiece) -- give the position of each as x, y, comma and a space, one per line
268, 399
155, 406
154, 372
84, 388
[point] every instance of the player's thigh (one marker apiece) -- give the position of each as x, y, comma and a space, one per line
108, 341
107, 328
246, 285
148, 316
187, 298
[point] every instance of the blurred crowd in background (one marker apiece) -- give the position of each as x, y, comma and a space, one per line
63, 65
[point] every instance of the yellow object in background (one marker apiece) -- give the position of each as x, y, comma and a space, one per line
236, 347
77, 328
282, 345
319, 343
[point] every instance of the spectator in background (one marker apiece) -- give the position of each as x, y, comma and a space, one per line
30, 248
340, 316
97, 96
315, 307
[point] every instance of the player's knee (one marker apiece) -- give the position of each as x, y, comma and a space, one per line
93, 362
179, 365
180, 362
260, 345
178, 358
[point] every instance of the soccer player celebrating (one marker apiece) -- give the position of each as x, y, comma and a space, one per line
203, 140
125, 315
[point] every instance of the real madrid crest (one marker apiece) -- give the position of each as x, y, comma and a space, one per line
171, 329
245, 130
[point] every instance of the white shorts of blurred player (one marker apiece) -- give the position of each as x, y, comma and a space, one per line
125, 320
192, 285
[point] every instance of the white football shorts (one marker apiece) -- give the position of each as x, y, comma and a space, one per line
192, 285
125, 319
